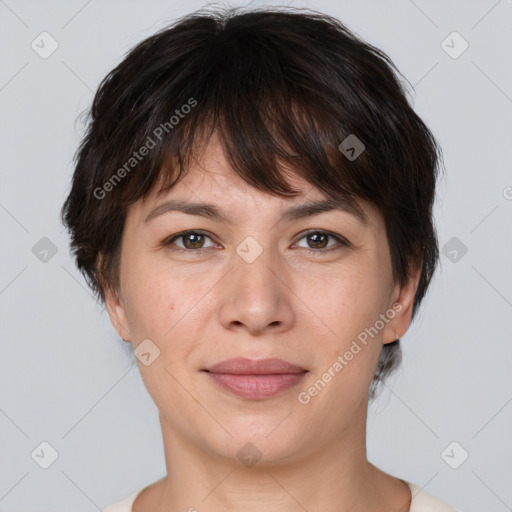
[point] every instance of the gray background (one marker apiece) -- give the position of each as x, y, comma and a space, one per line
67, 379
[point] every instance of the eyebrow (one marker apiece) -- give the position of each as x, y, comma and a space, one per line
292, 213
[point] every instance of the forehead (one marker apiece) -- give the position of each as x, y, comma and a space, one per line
210, 169
211, 188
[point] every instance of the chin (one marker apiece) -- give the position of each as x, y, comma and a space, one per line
263, 441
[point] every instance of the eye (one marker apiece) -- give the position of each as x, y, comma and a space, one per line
320, 239
192, 241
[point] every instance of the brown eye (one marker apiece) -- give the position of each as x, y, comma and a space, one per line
194, 239
191, 240
318, 242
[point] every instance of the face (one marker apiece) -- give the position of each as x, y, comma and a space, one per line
314, 291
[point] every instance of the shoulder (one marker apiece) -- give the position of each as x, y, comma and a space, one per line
424, 502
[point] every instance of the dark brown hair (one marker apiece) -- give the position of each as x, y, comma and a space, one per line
281, 86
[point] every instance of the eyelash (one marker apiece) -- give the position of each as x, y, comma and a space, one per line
315, 252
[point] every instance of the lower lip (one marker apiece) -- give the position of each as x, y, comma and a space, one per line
257, 387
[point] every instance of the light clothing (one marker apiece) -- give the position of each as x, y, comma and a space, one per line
421, 502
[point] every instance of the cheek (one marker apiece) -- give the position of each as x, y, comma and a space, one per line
345, 302
165, 305
151, 298
349, 306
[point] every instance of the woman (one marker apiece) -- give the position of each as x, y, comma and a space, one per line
253, 204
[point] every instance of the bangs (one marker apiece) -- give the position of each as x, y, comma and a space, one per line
272, 119
261, 151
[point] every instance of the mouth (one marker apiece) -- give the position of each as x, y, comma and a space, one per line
255, 379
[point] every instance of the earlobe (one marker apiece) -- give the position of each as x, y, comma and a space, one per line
117, 314
402, 306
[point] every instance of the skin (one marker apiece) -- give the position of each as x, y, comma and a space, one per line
200, 308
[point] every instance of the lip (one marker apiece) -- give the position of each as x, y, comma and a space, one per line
256, 379
245, 366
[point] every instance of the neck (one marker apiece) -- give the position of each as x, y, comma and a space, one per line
331, 476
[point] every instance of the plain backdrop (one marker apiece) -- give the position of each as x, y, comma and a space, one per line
443, 421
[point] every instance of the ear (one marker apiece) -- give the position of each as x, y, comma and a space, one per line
402, 302
117, 314
115, 307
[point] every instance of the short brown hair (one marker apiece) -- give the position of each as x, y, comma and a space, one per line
279, 86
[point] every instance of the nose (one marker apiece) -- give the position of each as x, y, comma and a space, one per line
257, 295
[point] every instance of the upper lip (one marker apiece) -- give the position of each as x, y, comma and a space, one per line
244, 366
